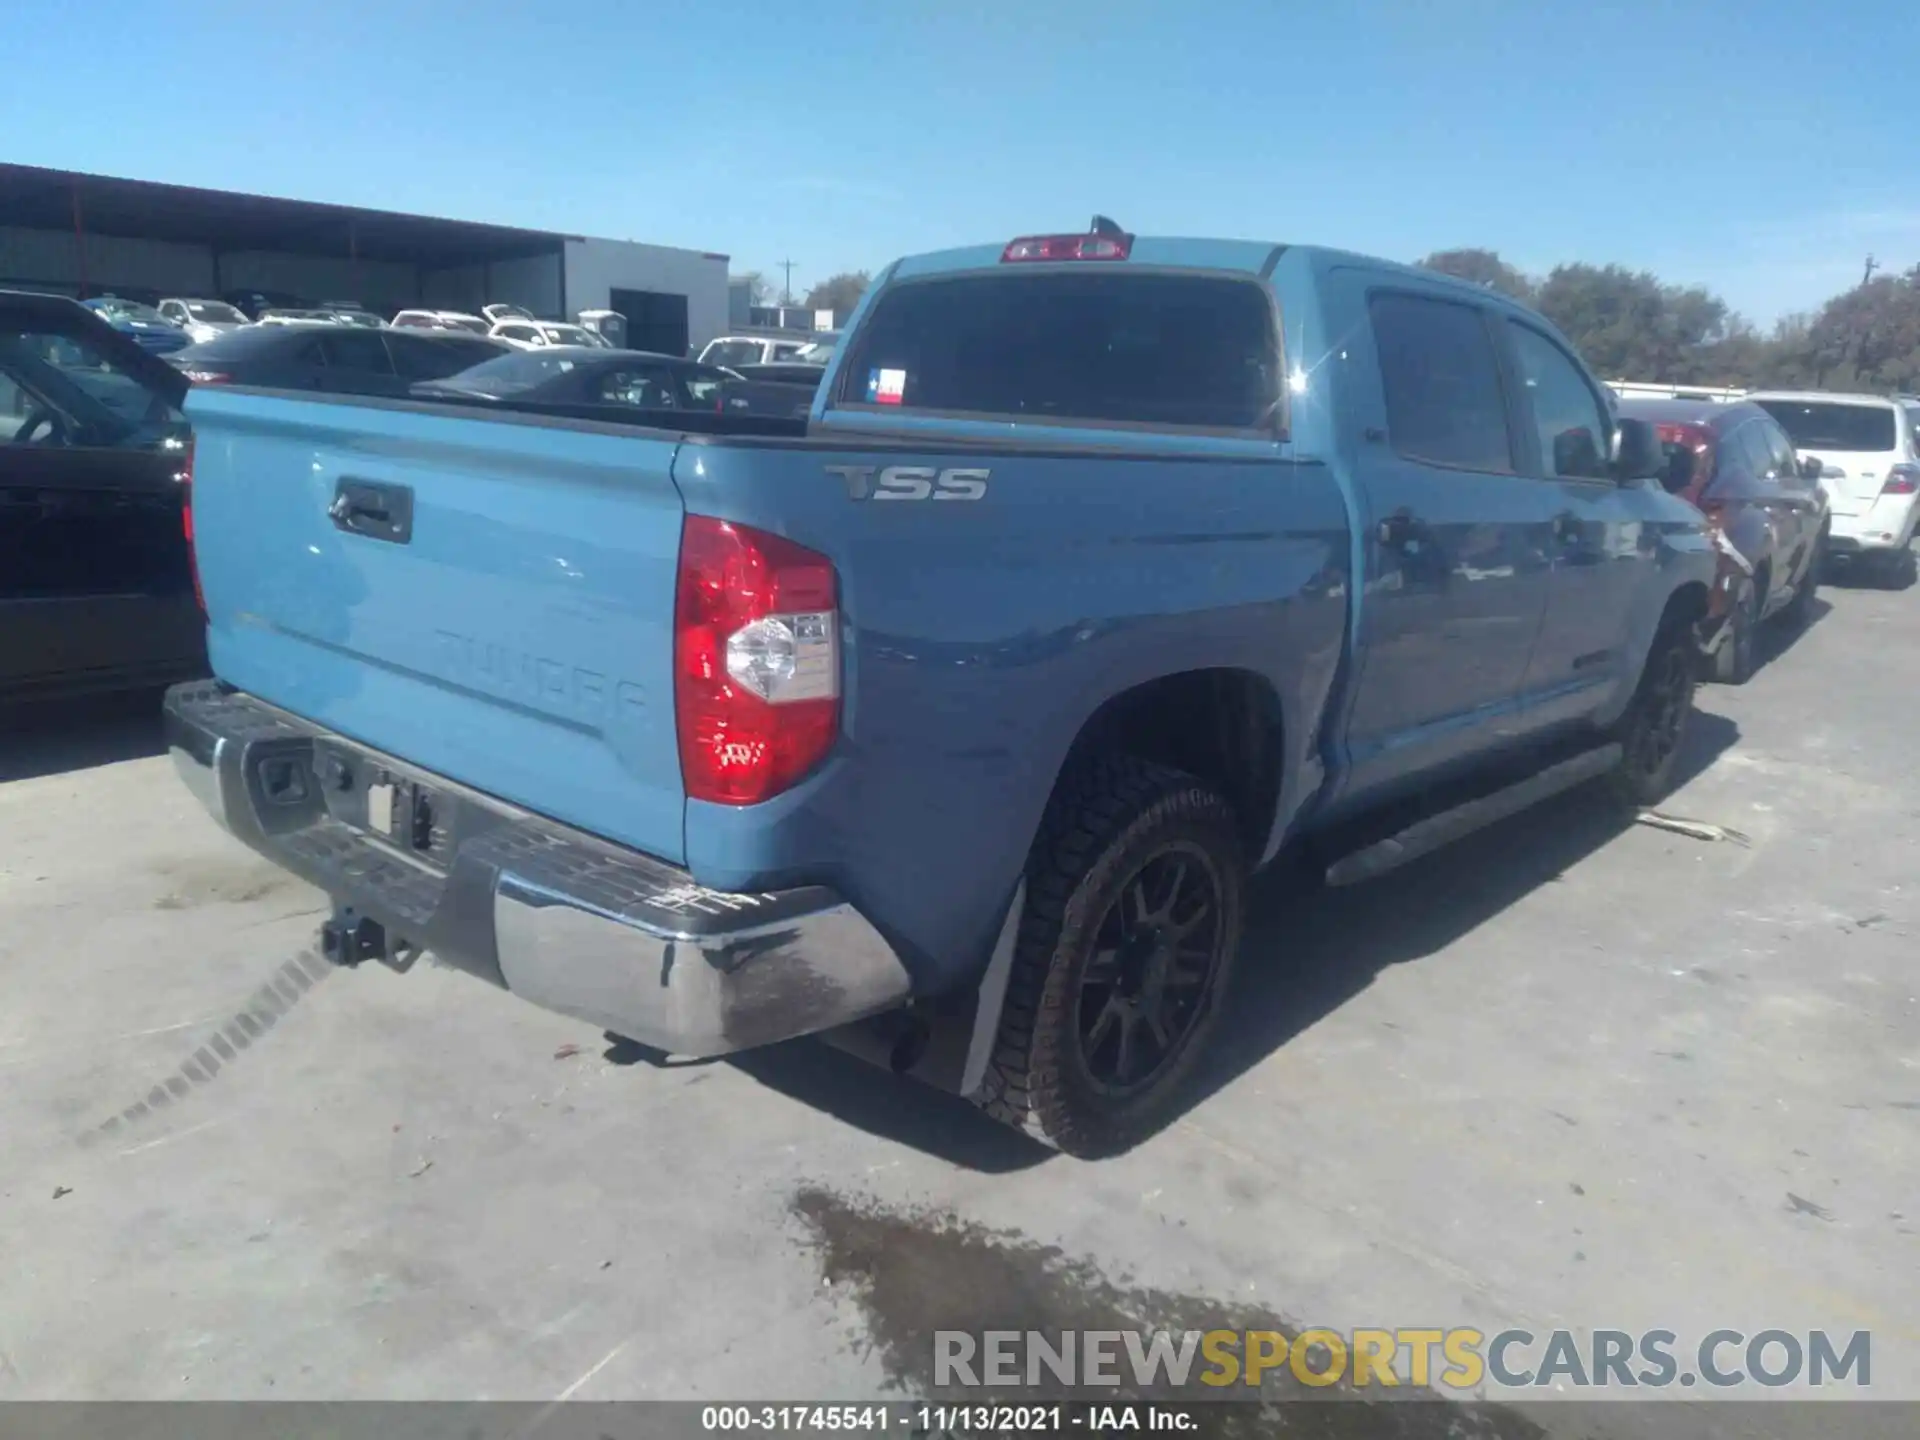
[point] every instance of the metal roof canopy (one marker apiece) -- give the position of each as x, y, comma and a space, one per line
69, 200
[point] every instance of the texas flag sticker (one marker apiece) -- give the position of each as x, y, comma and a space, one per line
886, 387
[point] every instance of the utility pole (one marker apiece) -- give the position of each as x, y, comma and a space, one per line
1872, 266
786, 289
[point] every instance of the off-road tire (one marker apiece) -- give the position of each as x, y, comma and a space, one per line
1110, 820
1645, 773
1738, 656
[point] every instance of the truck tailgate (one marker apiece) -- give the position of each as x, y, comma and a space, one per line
487, 597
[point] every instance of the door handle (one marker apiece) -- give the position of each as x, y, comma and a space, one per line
377, 511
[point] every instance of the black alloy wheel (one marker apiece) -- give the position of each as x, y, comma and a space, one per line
1653, 730
1156, 954
1735, 661
1135, 892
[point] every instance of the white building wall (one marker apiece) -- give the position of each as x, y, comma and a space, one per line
596, 268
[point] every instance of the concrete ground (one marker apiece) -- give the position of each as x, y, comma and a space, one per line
1568, 1074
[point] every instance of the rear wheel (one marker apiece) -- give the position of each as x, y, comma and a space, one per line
1894, 569
1799, 610
1134, 900
1654, 728
1733, 662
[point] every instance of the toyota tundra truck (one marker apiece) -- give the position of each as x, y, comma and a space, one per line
950, 721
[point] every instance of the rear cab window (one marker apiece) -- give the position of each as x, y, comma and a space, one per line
1094, 347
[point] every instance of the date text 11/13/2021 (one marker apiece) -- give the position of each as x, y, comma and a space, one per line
915, 1419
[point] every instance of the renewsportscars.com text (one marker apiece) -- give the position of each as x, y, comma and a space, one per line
1460, 1359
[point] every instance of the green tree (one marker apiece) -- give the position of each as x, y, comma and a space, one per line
1630, 326
1480, 267
839, 293
1868, 338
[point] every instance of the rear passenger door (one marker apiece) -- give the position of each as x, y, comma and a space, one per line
1602, 545
1454, 535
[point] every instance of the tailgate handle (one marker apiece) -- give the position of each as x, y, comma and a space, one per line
379, 512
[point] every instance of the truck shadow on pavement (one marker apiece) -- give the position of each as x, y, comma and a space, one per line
858, 1094
56, 738
1777, 640
1307, 951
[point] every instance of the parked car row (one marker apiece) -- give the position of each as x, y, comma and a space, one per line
339, 358
1788, 480
175, 323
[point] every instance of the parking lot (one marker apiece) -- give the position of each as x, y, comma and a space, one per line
1569, 1074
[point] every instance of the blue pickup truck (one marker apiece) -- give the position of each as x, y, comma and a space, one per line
949, 722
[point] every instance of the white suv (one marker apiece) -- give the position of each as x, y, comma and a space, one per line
540, 334
1869, 446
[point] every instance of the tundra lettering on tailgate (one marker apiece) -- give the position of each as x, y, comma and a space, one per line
551, 686
911, 482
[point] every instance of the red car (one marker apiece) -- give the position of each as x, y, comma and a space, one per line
1767, 508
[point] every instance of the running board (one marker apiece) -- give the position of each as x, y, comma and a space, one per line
1425, 836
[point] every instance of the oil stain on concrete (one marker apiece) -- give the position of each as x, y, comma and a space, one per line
912, 1273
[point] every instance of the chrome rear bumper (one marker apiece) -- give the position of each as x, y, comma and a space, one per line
563, 919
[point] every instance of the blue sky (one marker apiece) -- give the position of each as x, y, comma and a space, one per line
1762, 148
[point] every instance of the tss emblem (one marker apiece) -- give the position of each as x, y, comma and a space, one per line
911, 482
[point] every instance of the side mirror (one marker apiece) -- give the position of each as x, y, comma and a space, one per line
1636, 452
1811, 467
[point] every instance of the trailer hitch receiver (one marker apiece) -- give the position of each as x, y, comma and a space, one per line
348, 937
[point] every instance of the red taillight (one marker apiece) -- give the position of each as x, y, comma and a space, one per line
1699, 440
1068, 247
185, 477
207, 377
756, 661
1902, 480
